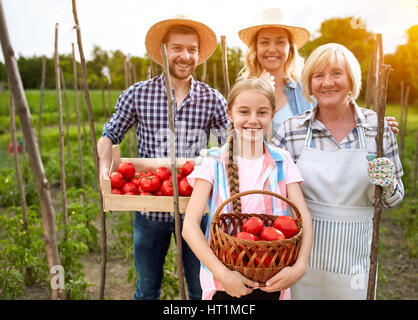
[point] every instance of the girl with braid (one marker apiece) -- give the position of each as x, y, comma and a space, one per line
245, 162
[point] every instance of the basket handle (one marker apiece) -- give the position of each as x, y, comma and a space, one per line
245, 193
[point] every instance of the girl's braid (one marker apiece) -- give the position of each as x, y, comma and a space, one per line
232, 166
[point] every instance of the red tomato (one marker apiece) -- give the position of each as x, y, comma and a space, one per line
253, 225
146, 173
116, 191
130, 187
162, 173
150, 184
127, 169
158, 193
260, 255
167, 188
187, 167
135, 180
144, 193
287, 225
271, 234
116, 180
185, 188
234, 256
130, 194
246, 236
286, 253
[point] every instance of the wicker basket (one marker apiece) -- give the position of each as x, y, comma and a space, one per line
249, 257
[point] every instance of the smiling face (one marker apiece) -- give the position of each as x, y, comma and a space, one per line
183, 54
273, 49
251, 114
331, 85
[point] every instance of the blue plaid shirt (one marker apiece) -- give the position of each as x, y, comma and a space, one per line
145, 106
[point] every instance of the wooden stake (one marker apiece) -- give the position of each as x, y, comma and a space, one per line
378, 62
215, 76
41, 100
17, 165
404, 122
77, 114
173, 169
61, 136
94, 144
238, 67
414, 192
42, 184
148, 72
225, 65
67, 116
378, 205
109, 97
83, 123
370, 82
204, 71
103, 95
401, 124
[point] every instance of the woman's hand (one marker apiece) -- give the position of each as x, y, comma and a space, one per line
267, 77
284, 279
236, 285
382, 173
393, 124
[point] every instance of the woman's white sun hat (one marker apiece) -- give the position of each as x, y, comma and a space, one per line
273, 17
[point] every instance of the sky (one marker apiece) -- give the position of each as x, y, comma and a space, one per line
122, 24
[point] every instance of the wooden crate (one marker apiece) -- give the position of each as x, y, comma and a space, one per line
115, 202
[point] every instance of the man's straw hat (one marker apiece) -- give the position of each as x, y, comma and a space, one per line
155, 35
274, 18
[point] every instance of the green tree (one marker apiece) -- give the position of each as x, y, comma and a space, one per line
404, 64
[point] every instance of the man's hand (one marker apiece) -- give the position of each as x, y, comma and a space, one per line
104, 150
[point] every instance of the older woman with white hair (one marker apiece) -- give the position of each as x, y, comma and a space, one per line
333, 145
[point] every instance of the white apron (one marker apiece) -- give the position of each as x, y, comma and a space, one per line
338, 194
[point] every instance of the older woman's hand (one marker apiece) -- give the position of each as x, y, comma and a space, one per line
382, 173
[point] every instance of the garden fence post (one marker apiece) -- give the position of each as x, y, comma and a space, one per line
378, 204
95, 154
41, 100
61, 134
173, 170
225, 65
77, 114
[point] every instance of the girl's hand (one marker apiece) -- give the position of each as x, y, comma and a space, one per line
267, 77
284, 279
236, 285
393, 124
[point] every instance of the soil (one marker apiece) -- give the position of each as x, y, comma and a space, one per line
397, 273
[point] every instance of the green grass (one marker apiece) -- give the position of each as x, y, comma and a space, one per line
50, 107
